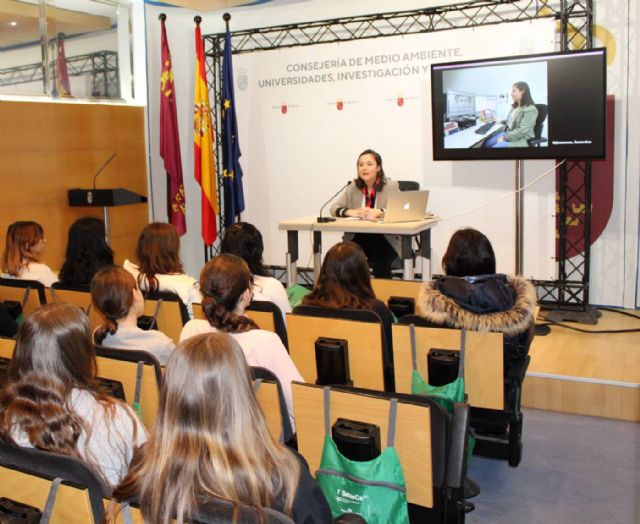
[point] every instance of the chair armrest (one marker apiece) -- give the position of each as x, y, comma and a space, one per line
457, 460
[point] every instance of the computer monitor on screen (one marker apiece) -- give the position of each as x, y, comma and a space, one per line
460, 104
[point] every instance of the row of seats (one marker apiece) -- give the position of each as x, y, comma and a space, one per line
430, 442
484, 370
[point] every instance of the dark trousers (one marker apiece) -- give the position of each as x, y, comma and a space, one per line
379, 253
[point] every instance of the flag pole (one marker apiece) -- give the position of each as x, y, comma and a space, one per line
162, 17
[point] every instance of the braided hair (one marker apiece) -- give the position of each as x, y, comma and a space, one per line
112, 294
223, 280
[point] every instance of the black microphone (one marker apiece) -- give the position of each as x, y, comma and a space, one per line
90, 193
322, 219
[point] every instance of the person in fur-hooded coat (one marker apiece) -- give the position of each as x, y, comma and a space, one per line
474, 297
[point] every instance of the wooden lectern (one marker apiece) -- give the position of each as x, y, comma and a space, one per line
104, 198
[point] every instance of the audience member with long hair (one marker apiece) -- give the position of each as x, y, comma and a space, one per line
87, 252
23, 254
52, 401
210, 444
225, 283
159, 267
115, 294
344, 282
244, 240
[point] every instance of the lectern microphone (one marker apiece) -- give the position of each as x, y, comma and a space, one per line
322, 219
90, 193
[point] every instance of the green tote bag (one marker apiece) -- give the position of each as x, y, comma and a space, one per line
374, 489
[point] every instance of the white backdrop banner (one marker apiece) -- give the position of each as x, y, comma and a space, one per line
305, 113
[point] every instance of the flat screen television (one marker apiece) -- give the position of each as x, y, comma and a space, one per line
560, 114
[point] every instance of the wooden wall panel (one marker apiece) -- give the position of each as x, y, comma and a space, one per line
48, 148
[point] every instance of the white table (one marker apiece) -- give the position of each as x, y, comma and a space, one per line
406, 230
469, 138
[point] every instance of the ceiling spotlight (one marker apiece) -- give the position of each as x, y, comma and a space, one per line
13, 23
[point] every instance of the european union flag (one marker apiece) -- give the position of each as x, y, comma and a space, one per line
231, 170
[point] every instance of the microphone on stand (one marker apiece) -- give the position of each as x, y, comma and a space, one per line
322, 219
90, 193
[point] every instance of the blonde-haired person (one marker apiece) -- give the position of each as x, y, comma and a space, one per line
115, 294
159, 266
23, 253
220, 451
52, 401
226, 286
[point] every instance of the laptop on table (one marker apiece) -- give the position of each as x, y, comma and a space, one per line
406, 206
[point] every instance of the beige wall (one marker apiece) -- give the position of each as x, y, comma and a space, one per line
48, 148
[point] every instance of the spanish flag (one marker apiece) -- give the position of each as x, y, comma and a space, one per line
204, 162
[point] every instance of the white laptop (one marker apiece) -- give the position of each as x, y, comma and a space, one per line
406, 206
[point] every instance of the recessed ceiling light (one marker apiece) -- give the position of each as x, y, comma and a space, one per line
13, 23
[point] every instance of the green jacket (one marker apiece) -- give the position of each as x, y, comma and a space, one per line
522, 127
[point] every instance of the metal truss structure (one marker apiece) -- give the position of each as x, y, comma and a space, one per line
101, 65
570, 291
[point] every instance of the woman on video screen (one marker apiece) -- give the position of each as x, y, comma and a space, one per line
520, 122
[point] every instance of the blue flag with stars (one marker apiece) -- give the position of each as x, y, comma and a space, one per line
231, 170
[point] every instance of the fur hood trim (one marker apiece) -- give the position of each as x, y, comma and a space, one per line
440, 309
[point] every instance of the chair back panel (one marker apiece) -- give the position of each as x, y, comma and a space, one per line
169, 317
264, 319
82, 299
7, 345
384, 288
17, 293
542, 115
72, 504
125, 372
267, 397
412, 437
365, 347
198, 312
483, 363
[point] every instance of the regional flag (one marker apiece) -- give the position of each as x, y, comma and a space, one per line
170, 139
231, 172
204, 162
62, 74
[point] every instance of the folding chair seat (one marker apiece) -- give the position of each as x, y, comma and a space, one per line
370, 360
65, 488
139, 373
29, 293
430, 443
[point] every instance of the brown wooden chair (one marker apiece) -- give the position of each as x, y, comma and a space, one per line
363, 334
140, 375
430, 443
168, 311
69, 488
77, 295
385, 288
493, 392
29, 293
483, 363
